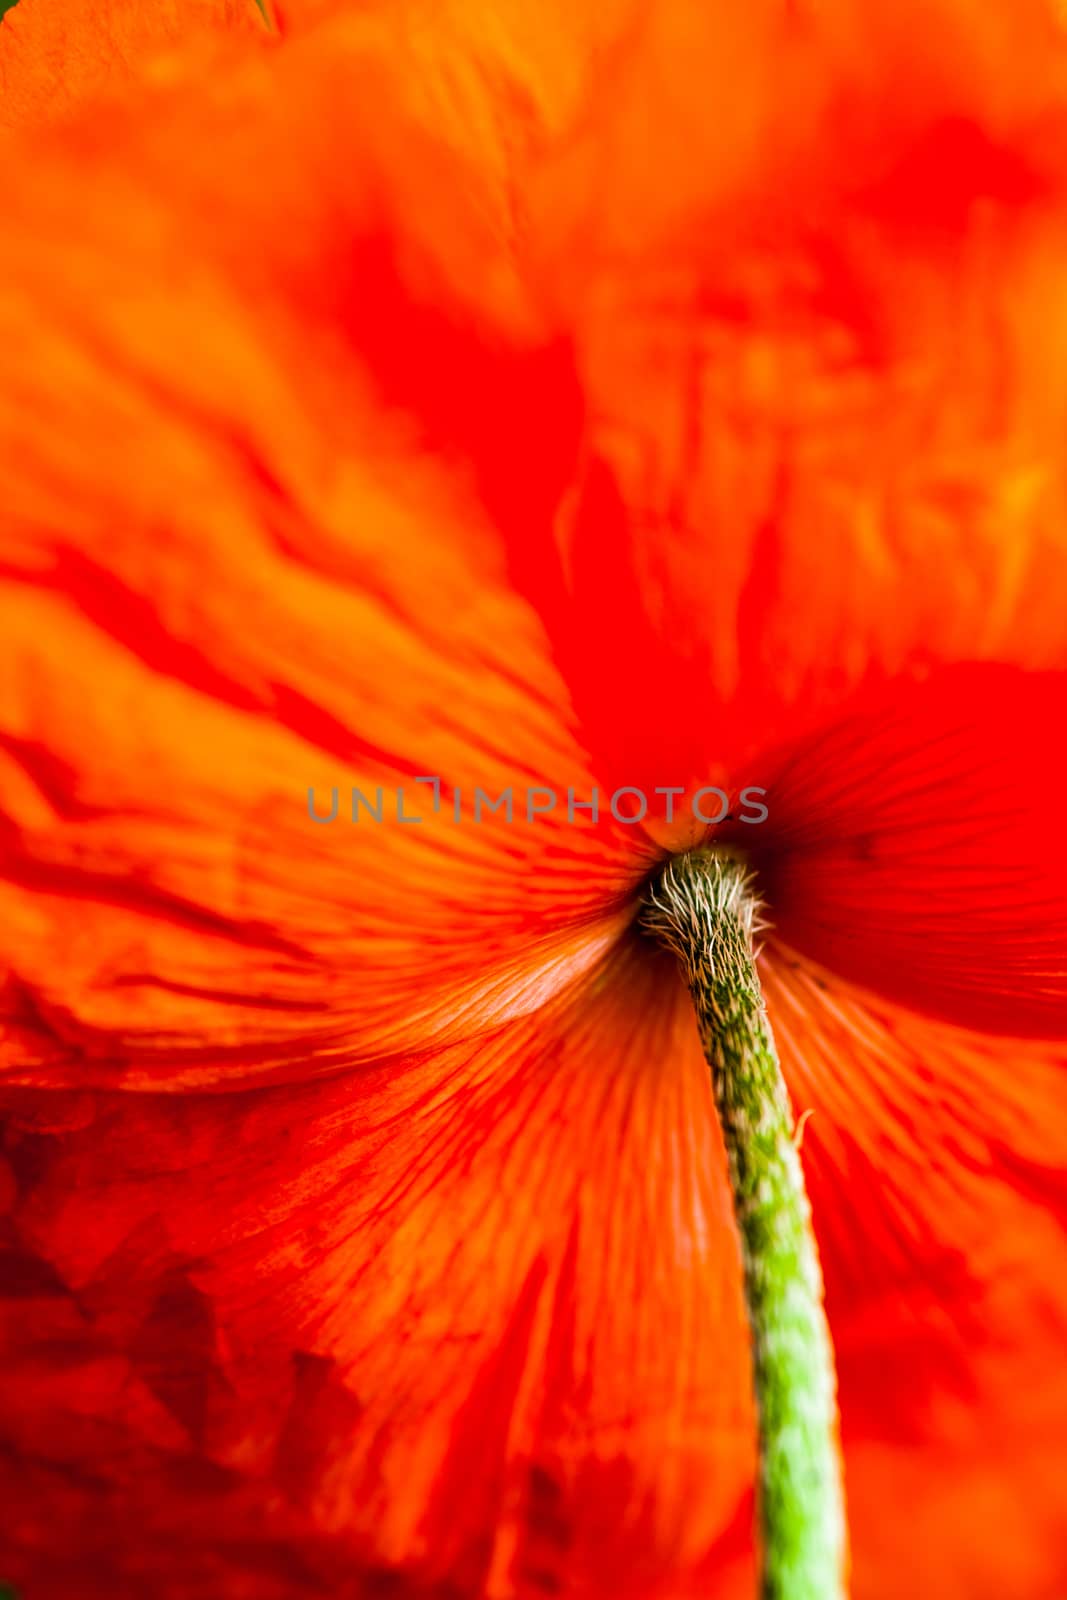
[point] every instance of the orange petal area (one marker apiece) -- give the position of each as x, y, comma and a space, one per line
469, 1323
914, 847
245, 557
171, 912
57, 54
936, 1161
516, 67
821, 335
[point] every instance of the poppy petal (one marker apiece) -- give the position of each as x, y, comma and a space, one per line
937, 1170
56, 54
469, 1321
171, 910
915, 847
224, 498
818, 337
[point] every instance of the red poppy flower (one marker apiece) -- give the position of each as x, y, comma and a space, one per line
546, 399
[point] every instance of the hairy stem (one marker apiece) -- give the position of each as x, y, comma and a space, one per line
704, 910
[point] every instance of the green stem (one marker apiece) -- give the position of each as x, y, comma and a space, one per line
703, 909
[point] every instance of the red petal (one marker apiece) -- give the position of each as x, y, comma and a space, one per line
936, 1161
822, 433
914, 847
56, 55
269, 582
474, 1320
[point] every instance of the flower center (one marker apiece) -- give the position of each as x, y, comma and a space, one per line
703, 908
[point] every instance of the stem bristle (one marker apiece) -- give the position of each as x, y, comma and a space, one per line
705, 909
